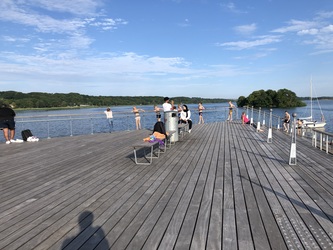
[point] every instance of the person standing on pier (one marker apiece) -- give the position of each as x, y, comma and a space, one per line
201, 108
157, 112
166, 105
286, 121
231, 107
109, 117
137, 117
7, 123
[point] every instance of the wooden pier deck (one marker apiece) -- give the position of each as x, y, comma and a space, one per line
221, 187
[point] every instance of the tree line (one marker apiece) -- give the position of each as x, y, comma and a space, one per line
282, 98
59, 100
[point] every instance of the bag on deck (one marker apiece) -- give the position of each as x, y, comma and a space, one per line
26, 134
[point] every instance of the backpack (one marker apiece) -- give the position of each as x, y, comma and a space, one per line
26, 134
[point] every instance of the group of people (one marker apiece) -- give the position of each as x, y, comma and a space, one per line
184, 114
286, 122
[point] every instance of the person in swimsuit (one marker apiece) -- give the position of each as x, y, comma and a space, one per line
231, 106
137, 117
201, 108
286, 121
158, 113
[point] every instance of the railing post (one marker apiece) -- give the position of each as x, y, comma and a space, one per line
269, 137
263, 120
278, 123
48, 129
251, 116
71, 125
91, 125
247, 111
128, 123
258, 123
314, 138
292, 155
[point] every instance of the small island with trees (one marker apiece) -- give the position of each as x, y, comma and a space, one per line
282, 98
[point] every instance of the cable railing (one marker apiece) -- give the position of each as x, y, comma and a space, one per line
61, 125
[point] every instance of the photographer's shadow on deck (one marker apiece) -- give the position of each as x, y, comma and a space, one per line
88, 236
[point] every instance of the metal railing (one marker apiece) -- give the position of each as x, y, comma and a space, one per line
322, 140
59, 125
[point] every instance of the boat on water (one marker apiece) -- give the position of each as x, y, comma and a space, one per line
309, 122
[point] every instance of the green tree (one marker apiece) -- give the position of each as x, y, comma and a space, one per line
259, 98
242, 101
283, 98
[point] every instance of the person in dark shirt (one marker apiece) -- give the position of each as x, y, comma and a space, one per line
7, 123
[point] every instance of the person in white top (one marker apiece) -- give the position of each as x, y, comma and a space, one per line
166, 105
109, 117
185, 117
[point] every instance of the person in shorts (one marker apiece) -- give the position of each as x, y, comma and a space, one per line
286, 121
7, 123
157, 112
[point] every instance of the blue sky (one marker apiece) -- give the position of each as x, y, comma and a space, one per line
193, 48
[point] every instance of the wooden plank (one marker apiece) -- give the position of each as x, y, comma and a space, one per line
222, 186
229, 220
214, 238
239, 164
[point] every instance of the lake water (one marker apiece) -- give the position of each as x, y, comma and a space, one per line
71, 122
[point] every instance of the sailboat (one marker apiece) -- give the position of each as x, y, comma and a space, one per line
309, 122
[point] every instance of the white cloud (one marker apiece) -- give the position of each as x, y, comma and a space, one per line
82, 13
63, 26
246, 29
15, 39
108, 23
260, 41
295, 26
76, 7
308, 32
318, 33
231, 7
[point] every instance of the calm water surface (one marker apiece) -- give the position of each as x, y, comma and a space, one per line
57, 123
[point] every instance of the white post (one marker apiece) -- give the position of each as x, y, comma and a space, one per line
258, 123
292, 155
251, 120
269, 137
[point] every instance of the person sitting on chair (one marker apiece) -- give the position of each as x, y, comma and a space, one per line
185, 117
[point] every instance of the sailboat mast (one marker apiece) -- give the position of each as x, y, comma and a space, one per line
311, 96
